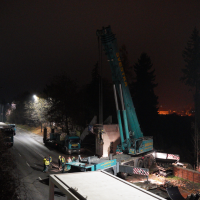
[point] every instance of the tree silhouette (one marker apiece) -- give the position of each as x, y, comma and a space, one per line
144, 97
191, 55
92, 91
17, 115
191, 77
63, 100
91, 96
36, 110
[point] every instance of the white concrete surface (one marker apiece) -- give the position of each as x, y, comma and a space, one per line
97, 186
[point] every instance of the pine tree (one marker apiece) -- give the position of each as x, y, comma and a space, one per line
144, 98
191, 77
191, 55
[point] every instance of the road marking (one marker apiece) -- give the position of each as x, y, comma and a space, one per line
35, 151
55, 170
39, 178
39, 154
27, 164
19, 154
54, 165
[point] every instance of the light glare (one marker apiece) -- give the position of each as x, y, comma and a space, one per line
35, 97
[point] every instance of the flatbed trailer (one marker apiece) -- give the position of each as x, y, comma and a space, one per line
108, 164
92, 164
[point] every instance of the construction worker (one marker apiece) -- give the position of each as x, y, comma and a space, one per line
50, 161
73, 158
44, 160
63, 161
79, 158
69, 159
47, 165
59, 161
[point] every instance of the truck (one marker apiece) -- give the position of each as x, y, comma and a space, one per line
62, 141
7, 132
135, 149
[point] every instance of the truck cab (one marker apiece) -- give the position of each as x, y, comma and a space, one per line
67, 143
7, 134
72, 144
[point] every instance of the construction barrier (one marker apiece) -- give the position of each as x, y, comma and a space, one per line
174, 157
141, 171
188, 174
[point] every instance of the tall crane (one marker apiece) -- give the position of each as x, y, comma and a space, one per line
132, 140
135, 151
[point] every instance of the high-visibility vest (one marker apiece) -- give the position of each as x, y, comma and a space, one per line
44, 160
50, 159
63, 160
47, 162
59, 157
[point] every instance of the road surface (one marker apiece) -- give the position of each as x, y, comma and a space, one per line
28, 152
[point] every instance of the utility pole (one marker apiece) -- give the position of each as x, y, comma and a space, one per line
197, 123
196, 143
100, 84
197, 149
2, 112
100, 102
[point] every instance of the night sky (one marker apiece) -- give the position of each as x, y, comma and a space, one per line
39, 39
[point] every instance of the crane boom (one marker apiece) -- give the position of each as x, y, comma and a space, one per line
134, 141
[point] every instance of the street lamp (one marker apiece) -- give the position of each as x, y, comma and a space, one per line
35, 97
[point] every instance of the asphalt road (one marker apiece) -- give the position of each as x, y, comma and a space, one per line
28, 152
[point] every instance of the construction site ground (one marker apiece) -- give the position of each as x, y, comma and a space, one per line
158, 182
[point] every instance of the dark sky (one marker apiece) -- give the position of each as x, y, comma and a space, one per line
39, 39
